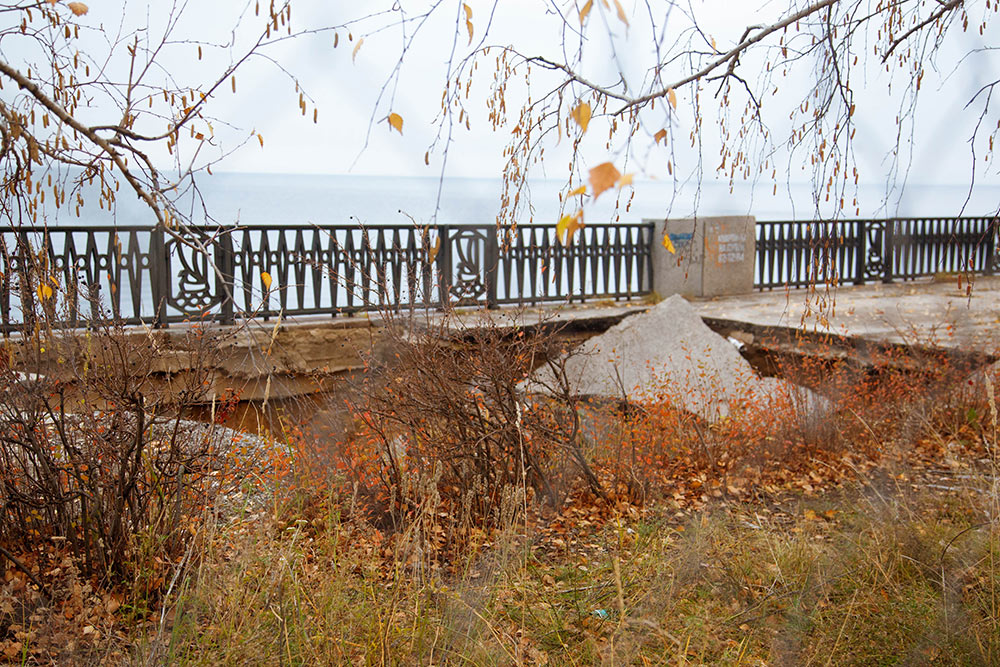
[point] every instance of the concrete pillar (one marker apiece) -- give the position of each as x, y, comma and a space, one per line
714, 256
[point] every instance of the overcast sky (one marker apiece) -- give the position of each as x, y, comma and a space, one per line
346, 89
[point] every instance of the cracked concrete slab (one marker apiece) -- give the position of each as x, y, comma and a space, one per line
668, 352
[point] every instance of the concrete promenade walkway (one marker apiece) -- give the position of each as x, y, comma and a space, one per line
924, 312
916, 312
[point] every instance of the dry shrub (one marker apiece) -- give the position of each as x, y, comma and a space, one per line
96, 457
855, 410
443, 422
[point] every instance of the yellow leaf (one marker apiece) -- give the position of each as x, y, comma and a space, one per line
561, 227
603, 177
578, 191
265, 278
625, 179
672, 97
260, 138
567, 226
621, 12
357, 47
586, 10
44, 292
78, 8
468, 20
662, 134
669, 245
396, 121
581, 114
432, 253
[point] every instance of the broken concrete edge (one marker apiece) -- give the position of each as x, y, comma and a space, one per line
863, 351
308, 353
667, 352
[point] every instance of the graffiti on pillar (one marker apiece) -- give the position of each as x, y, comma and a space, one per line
732, 249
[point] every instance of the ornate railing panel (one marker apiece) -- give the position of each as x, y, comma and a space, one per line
799, 254
145, 275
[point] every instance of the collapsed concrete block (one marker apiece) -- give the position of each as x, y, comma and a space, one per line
669, 353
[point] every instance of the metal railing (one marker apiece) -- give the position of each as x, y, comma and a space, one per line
799, 254
144, 275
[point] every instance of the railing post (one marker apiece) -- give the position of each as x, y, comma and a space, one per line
426, 268
650, 235
492, 260
861, 253
889, 249
226, 265
158, 275
991, 232
444, 266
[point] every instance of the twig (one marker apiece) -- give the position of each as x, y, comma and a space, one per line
23, 568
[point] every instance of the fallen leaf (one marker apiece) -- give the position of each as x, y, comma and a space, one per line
432, 253
396, 121
567, 226
603, 177
581, 114
468, 20
669, 245
621, 12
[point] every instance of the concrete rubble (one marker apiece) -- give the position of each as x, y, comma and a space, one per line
668, 352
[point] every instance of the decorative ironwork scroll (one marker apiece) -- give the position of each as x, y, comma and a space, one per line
875, 261
191, 272
468, 254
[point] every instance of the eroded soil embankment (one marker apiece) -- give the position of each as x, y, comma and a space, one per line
771, 350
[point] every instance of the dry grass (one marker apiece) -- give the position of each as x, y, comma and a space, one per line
878, 574
870, 538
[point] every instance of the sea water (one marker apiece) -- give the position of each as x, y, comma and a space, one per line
296, 199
